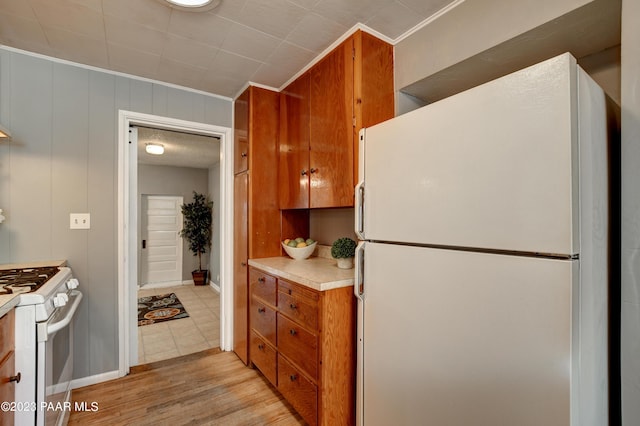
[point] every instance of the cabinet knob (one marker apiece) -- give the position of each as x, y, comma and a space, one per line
293, 306
313, 170
243, 155
303, 173
261, 310
16, 378
261, 346
293, 332
293, 377
261, 280
243, 264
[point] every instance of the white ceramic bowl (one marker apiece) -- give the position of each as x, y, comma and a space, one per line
299, 253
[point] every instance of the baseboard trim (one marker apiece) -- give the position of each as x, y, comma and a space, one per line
215, 286
92, 380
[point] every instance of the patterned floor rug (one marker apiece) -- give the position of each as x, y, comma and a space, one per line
164, 307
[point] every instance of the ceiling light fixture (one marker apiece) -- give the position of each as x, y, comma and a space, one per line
4, 133
192, 5
154, 148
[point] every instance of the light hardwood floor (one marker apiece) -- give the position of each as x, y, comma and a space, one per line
205, 388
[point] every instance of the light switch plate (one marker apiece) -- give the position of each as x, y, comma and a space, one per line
79, 221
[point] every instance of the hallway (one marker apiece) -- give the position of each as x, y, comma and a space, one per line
198, 332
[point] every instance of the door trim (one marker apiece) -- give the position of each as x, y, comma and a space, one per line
128, 228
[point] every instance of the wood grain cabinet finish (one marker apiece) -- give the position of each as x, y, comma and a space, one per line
264, 357
241, 133
301, 392
315, 347
7, 366
321, 114
256, 211
262, 319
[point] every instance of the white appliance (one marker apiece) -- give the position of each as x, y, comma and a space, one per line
482, 275
49, 298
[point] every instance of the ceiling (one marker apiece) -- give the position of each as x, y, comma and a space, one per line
180, 149
218, 51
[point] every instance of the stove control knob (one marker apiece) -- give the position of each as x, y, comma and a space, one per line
72, 284
60, 300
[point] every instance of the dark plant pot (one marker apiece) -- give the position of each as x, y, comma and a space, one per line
200, 277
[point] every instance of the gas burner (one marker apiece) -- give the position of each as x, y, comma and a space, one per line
26, 280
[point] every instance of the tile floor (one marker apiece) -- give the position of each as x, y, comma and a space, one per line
169, 339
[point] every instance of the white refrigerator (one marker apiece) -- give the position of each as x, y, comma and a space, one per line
482, 275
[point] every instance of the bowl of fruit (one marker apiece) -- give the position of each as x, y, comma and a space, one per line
299, 248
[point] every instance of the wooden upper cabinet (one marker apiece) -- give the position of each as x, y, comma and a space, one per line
294, 145
373, 85
264, 212
331, 129
321, 115
241, 133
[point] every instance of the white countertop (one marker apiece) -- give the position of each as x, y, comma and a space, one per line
318, 273
9, 301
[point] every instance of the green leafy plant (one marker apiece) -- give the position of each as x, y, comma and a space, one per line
343, 248
197, 225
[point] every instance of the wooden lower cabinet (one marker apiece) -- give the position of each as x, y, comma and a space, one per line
312, 359
263, 356
301, 392
7, 366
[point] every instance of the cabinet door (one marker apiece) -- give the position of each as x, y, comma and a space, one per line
264, 215
293, 175
240, 274
373, 85
331, 129
7, 388
241, 132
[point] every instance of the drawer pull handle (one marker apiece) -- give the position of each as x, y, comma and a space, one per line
243, 264
293, 377
293, 332
313, 170
261, 310
293, 306
243, 155
289, 291
261, 280
261, 346
16, 378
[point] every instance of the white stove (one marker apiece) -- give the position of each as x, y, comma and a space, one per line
49, 298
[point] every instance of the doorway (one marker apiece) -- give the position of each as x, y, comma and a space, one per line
129, 220
161, 248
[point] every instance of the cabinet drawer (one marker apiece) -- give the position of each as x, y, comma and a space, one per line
7, 388
298, 390
299, 345
298, 304
263, 286
6, 334
263, 356
263, 320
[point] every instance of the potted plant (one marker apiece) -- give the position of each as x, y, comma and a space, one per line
197, 232
343, 250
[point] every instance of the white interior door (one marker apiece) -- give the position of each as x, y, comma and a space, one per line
161, 259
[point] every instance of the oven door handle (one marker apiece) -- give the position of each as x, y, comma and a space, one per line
46, 329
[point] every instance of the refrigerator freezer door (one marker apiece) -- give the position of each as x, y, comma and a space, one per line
461, 338
494, 167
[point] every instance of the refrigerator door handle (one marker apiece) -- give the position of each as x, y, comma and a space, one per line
360, 210
358, 282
